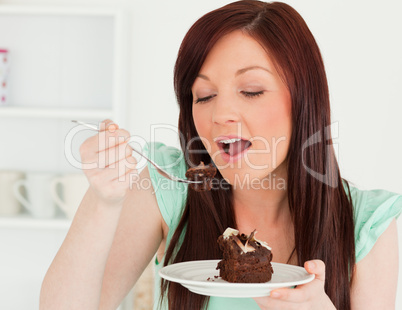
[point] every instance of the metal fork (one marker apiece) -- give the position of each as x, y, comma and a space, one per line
161, 171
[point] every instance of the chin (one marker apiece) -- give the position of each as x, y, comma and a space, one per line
249, 178
242, 178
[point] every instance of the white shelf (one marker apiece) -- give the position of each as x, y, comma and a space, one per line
97, 114
25, 222
57, 26
50, 46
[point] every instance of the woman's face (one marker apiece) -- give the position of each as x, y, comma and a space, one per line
242, 110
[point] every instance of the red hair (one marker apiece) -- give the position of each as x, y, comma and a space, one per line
322, 212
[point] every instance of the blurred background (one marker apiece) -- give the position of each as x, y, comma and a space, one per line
95, 59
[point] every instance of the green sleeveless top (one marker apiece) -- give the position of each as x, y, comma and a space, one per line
373, 212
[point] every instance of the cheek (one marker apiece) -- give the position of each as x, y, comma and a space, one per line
200, 121
282, 129
273, 126
274, 122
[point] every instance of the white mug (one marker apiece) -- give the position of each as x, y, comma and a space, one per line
73, 188
9, 205
39, 200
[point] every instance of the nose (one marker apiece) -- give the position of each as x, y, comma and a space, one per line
225, 112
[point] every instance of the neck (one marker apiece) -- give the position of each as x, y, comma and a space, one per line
269, 205
266, 210
266, 203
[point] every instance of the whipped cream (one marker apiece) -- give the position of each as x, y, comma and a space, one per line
247, 248
263, 243
230, 232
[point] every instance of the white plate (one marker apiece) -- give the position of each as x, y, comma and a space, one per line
199, 277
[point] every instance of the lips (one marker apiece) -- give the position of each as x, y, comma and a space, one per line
232, 147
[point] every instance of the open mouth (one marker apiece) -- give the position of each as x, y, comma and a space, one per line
235, 146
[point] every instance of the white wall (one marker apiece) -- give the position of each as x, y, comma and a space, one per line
361, 45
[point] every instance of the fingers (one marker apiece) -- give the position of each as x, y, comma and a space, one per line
115, 150
307, 296
110, 146
268, 303
300, 294
307, 291
316, 267
111, 162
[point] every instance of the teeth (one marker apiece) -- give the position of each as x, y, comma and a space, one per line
230, 141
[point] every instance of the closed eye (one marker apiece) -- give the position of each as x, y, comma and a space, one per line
250, 94
204, 99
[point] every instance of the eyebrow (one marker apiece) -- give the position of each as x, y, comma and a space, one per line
239, 72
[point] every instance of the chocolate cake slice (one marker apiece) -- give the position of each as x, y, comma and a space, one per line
203, 173
245, 259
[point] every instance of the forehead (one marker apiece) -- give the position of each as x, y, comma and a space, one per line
234, 51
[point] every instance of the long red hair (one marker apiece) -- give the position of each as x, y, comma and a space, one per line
322, 212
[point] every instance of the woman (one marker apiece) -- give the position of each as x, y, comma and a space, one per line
254, 100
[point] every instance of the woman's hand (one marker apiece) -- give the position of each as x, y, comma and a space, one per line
108, 163
310, 296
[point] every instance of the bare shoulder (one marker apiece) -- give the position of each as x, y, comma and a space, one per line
376, 275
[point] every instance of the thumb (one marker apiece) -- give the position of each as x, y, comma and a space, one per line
108, 124
316, 267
